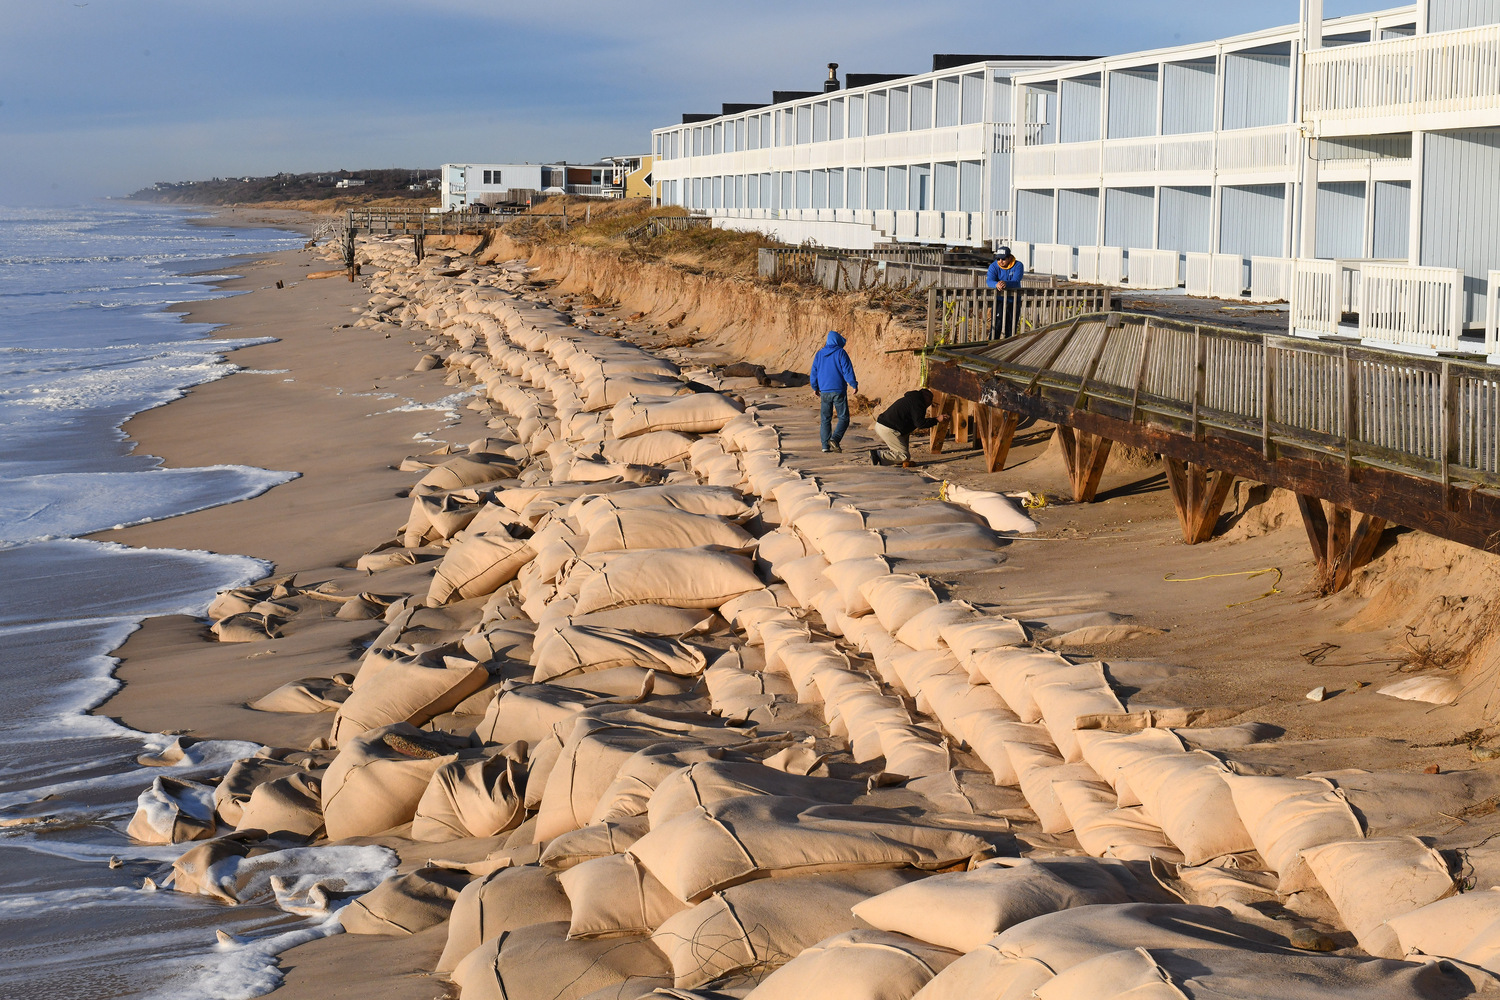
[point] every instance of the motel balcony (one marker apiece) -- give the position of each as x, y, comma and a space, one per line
1443, 80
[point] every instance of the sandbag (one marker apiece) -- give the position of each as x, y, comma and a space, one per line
579, 649
683, 578
963, 910
598, 840
613, 896
710, 782
699, 413
999, 511
501, 901
1373, 881
651, 448
636, 529
307, 696
1285, 816
1464, 927
713, 847
378, 778
1063, 694
477, 565
540, 963
406, 692
898, 597
287, 805
471, 798
405, 904
857, 965
1186, 795
764, 924
924, 630
172, 811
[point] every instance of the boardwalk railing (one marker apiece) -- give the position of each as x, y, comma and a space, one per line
411, 221
1435, 418
957, 316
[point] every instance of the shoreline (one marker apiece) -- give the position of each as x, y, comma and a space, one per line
327, 402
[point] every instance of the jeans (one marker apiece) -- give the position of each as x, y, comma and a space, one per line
831, 403
897, 445
1007, 305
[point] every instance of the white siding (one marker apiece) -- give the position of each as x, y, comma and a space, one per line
1257, 86
970, 179
921, 106
1079, 110
899, 119
973, 100
875, 188
856, 115
1252, 220
895, 189
945, 187
1446, 15
1078, 217
856, 188
836, 118
1132, 103
877, 104
1461, 207
920, 199
1185, 219
1392, 220
1340, 220
1129, 215
836, 187
1188, 97
1034, 216
948, 103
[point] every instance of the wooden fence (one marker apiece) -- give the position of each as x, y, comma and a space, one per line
967, 315
1434, 418
412, 221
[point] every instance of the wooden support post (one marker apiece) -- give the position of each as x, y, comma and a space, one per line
1085, 455
1198, 495
996, 429
961, 421
943, 406
1337, 550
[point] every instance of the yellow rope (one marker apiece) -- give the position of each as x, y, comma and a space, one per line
1248, 574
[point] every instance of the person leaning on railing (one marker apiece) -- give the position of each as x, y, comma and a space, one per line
1004, 274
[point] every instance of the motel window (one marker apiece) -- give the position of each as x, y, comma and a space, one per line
921, 106
856, 188
945, 187
900, 110
877, 113
819, 189
765, 131
820, 122
718, 137
804, 124
856, 115
486, 177
804, 189
895, 189
875, 189
739, 134
970, 177
752, 133
836, 187
836, 119
787, 199
765, 190
718, 192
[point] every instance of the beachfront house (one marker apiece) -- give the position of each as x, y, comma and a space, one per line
465, 185
1346, 165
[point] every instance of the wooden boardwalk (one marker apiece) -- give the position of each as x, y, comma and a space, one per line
1395, 437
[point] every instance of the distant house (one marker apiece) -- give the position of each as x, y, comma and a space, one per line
465, 185
350, 182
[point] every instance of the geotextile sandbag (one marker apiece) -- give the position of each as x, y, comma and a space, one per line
582, 649
379, 776
683, 578
406, 692
857, 965
539, 962
924, 630
739, 839
710, 782
1373, 881
699, 413
471, 798
898, 597
1286, 816
1105, 829
1063, 694
501, 901
963, 910
999, 511
477, 565
1465, 927
1009, 671
645, 528
405, 904
290, 804
171, 811
651, 448
613, 896
1185, 794
597, 840
966, 638
762, 925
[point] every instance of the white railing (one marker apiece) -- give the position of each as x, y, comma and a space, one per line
1415, 307
906, 225
1101, 265
955, 227
999, 226
1248, 151
1053, 258
1226, 276
1270, 279
930, 225
1317, 298
1198, 274
1021, 251
1153, 268
885, 221
1449, 71
1492, 315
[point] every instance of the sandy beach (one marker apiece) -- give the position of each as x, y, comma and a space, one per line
1233, 624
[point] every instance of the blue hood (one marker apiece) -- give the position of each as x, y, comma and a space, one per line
835, 339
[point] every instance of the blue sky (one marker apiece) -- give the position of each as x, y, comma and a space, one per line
105, 96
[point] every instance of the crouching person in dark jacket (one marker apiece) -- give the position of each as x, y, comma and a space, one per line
895, 426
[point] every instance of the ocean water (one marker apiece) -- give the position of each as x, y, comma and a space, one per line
83, 346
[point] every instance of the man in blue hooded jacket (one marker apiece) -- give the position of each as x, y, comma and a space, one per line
1005, 276
832, 377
